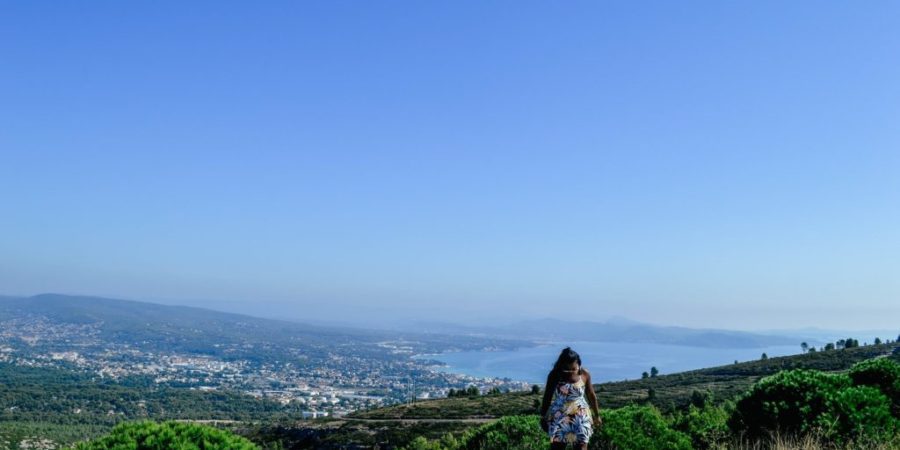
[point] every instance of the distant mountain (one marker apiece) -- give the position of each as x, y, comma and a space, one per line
614, 330
124, 320
200, 330
196, 330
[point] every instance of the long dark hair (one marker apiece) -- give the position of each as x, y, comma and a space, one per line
566, 357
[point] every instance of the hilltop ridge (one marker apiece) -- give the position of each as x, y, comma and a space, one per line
433, 418
672, 390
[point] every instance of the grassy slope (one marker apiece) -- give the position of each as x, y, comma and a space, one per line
673, 390
366, 428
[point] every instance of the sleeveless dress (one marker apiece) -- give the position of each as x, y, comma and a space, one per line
570, 416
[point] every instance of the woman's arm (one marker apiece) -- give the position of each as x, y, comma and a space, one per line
591, 395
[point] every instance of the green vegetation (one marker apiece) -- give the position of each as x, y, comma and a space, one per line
513, 432
838, 407
673, 392
636, 428
788, 402
854, 391
849, 404
841, 409
471, 391
883, 374
860, 413
64, 406
629, 428
14, 435
705, 425
343, 434
148, 435
48, 395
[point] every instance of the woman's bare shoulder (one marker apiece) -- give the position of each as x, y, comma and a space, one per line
585, 374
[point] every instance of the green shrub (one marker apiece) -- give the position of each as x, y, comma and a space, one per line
707, 427
882, 373
507, 433
448, 441
789, 402
421, 443
859, 413
799, 402
638, 428
147, 435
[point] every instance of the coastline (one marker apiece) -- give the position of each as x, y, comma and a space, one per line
609, 361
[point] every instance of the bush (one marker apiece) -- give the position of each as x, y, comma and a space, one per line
789, 402
707, 427
859, 413
638, 428
420, 443
801, 402
147, 435
881, 373
507, 433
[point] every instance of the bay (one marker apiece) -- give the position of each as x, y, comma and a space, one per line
607, 361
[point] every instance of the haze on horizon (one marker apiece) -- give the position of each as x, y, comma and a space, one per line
708, 165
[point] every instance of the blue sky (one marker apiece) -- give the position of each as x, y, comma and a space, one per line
703, 164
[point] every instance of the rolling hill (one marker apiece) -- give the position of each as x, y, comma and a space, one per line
396, 425
152, 326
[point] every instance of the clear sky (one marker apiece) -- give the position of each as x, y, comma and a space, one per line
720, 164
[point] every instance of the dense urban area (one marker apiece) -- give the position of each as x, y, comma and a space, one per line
339, 384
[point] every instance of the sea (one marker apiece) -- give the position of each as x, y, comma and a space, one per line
607, 361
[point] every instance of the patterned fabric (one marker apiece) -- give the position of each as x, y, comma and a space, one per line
570, 416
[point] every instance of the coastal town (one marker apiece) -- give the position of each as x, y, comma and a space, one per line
332, 386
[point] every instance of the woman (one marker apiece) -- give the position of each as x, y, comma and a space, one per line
569, 419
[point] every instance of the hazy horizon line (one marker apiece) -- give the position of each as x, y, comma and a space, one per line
383, 322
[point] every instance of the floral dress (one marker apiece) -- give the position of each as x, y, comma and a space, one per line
570, 416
